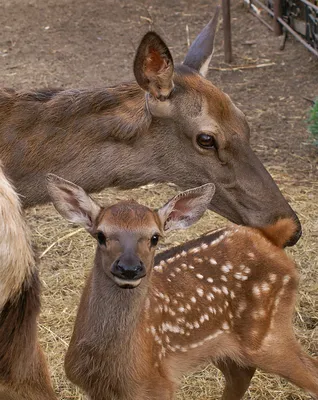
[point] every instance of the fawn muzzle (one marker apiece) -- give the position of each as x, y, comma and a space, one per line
128, 272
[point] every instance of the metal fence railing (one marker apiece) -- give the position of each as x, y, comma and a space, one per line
297, 17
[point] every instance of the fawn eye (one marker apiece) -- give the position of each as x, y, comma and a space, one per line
154, 240
206, 141
101, 238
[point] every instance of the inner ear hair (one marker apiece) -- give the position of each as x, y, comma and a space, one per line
153, 66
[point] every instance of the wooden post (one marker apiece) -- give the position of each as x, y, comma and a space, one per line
227, 30
278, 29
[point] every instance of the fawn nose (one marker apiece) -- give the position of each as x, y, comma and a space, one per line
126, 269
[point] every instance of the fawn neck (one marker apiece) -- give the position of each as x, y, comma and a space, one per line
113, 313
109, 326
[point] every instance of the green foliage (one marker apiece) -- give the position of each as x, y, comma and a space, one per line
313, 121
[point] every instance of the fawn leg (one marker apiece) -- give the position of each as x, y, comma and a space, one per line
237, 379
288, 360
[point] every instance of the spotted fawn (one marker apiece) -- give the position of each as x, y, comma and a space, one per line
144, 321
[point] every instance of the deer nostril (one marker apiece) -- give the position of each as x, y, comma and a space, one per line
128, 272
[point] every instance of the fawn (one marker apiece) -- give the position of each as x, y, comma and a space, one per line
227, 297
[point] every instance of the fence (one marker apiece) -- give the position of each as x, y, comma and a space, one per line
296, 17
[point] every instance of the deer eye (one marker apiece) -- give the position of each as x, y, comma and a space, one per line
154, 240
101, 238
206, 141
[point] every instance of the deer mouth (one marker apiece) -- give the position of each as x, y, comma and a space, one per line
126, 284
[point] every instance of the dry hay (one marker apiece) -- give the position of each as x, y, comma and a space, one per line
66, 263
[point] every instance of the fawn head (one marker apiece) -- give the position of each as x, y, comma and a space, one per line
127, 232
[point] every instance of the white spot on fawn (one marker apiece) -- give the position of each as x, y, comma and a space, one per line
272, 277
213, 261
247, 270
225, 290
200, 292
226, 268
256, 291
265, 287
199, 276
238, 275
225, 326
210, 296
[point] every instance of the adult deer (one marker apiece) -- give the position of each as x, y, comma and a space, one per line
23, 372
173, 125
227, 297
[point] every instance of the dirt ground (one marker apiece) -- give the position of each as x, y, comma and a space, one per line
68, 43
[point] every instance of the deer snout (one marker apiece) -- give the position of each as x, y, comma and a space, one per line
128, 272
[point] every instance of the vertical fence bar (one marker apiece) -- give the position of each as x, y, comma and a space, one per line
278, 30
227, 30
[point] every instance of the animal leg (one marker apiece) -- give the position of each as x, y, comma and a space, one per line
237, 379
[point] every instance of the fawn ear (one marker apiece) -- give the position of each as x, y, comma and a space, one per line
186, 208
153, 66
201, 50
72, 202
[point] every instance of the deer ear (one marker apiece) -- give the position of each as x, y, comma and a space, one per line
201, 50
153, 66
72, 202
186, 208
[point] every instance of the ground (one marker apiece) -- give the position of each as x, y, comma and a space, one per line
68, 43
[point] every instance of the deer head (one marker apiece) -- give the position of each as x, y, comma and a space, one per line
200, 136
127, 232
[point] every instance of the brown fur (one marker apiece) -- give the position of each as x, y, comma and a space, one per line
136, 344
23, 370
280, 232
